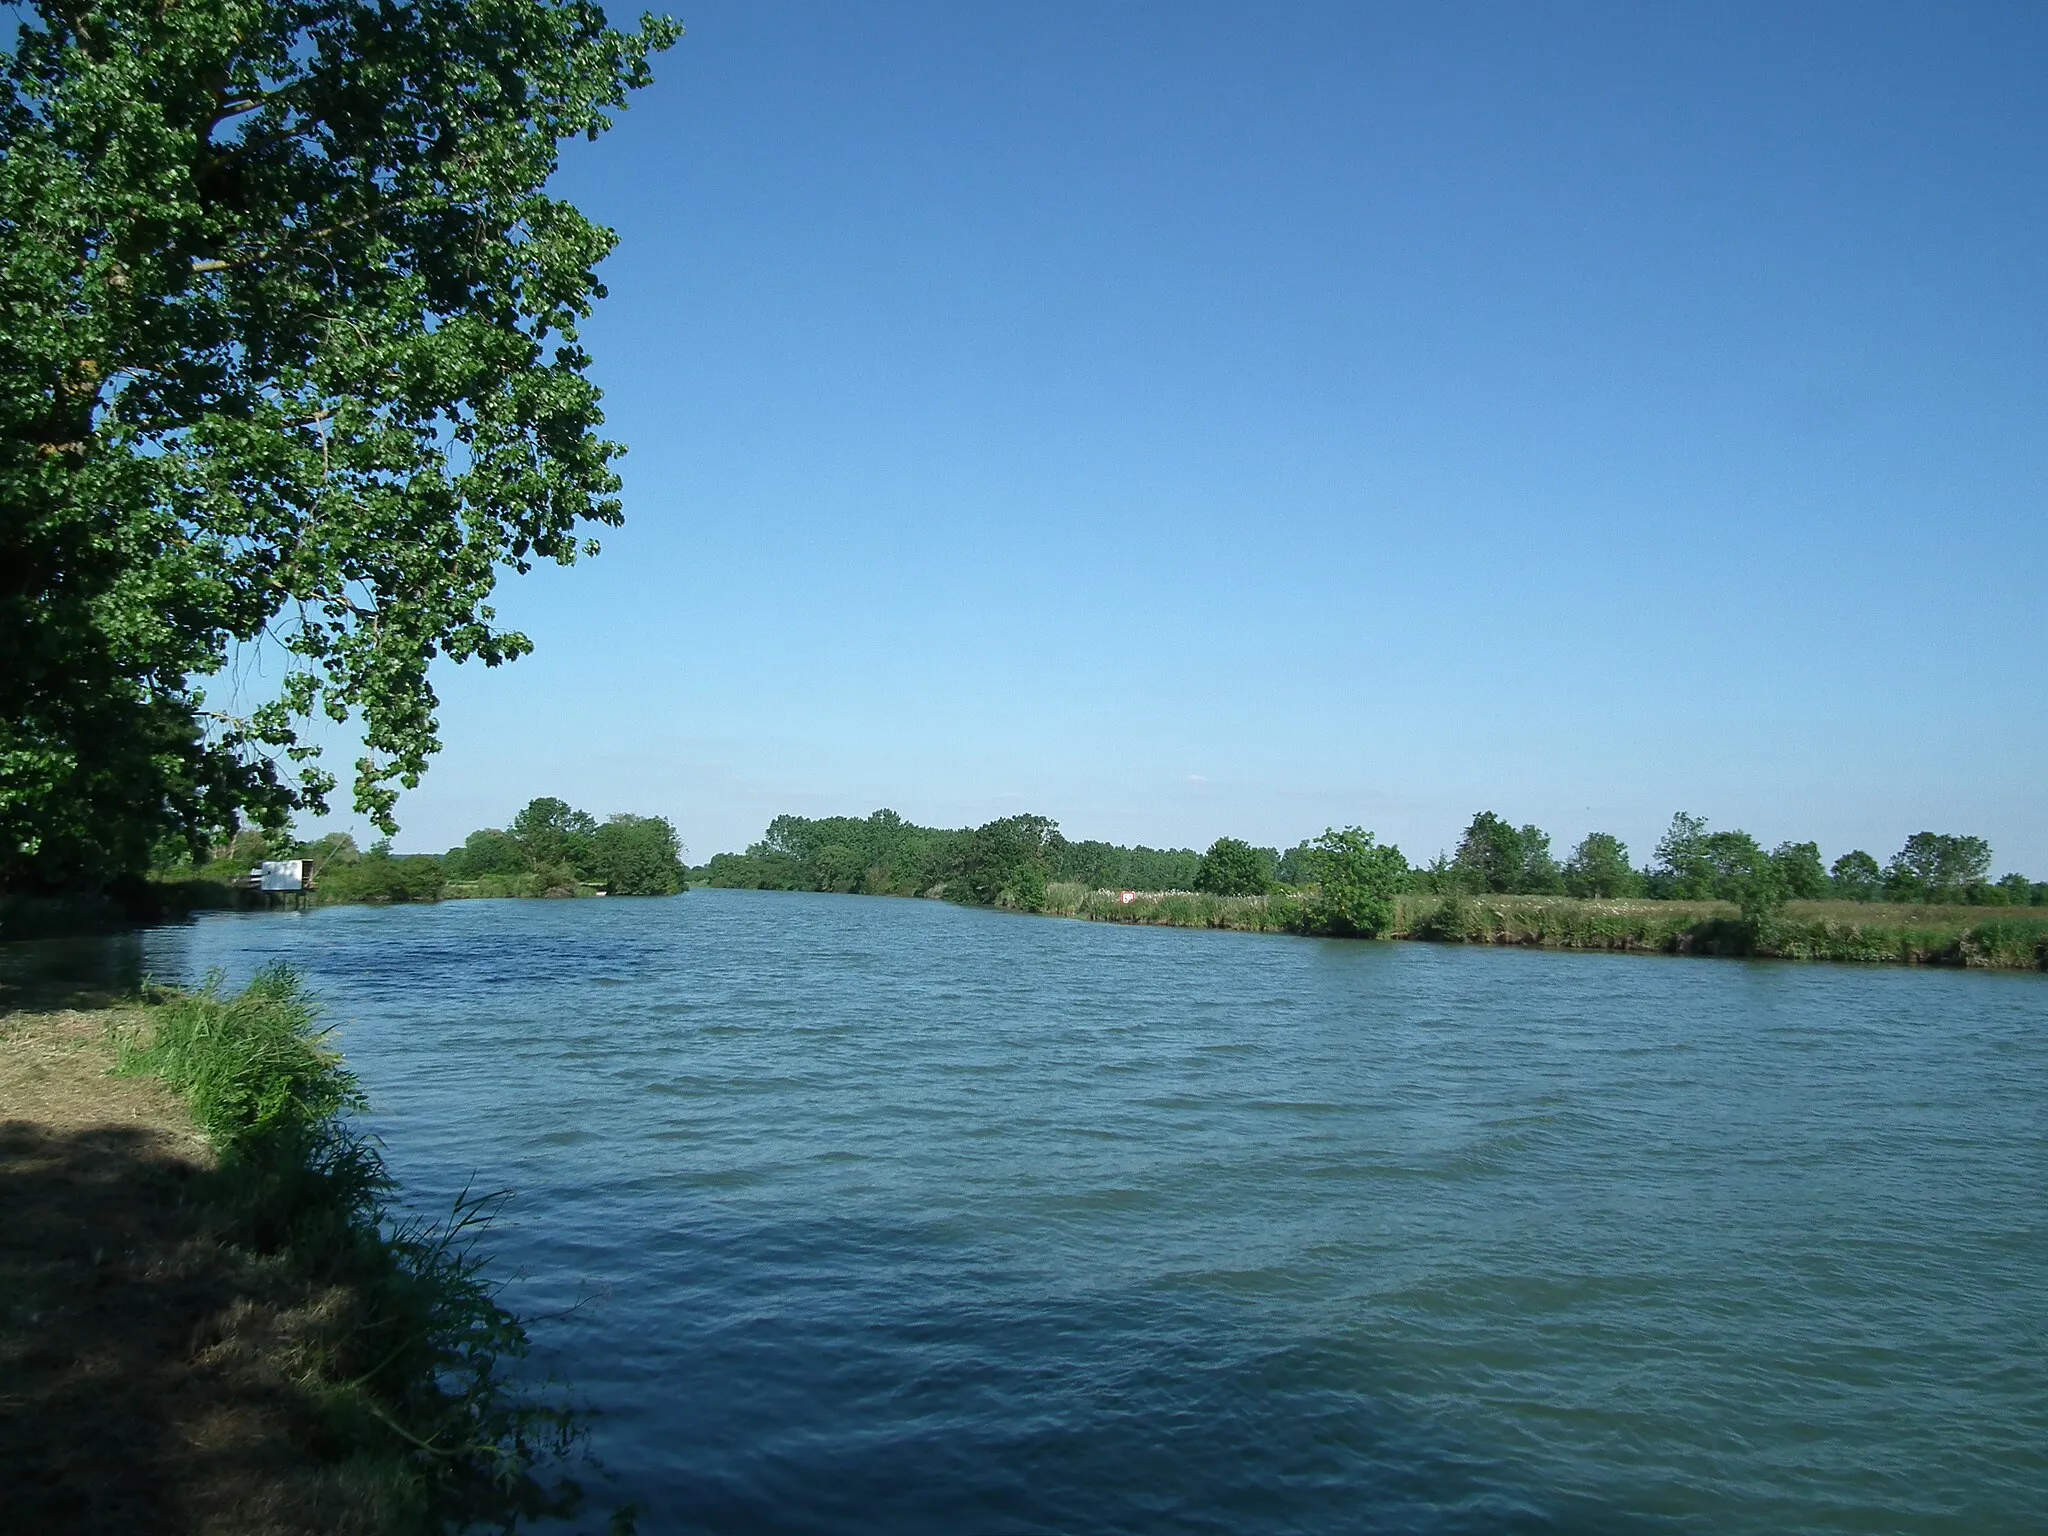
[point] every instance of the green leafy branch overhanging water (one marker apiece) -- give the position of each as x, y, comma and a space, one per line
289, 358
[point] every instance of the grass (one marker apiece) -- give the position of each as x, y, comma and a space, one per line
1177, 909
408, 1368
2009, 938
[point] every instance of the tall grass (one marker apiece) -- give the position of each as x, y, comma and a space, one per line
410, 1376
2000, 937
1283, 913
1842, 931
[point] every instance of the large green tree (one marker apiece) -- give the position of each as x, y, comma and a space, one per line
288, 358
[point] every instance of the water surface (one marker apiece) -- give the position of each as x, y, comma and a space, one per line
895, 1217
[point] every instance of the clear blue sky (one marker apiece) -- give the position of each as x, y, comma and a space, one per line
1187, 419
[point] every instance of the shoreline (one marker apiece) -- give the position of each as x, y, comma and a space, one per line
1977, 938
210, 1319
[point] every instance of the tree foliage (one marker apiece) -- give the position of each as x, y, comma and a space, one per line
1494, 855
637, 856
289, 357
1936, 866
1800, 870
884, 855
1357, 879
1855, 876
1599, 867
1233, 867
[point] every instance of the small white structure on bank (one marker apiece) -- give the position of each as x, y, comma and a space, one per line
284, 875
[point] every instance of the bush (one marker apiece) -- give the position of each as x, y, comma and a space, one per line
1232, 867
382, 876
637, 856
1356, 880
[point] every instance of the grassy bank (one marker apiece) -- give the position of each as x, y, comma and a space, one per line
1998, 937
271, 1347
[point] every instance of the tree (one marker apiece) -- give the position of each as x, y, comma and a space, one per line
1294, 865
1800, 871
1356, 879
289, 358
2016, 890
1004, 863
1494, 855
1855, 876
1490, 855
1937, 866
1599, 867
1540, 874
1684, 871
637, 856
553, 834
487, 851
1694, 864
1232, 867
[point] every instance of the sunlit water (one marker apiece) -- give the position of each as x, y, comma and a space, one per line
894, 1217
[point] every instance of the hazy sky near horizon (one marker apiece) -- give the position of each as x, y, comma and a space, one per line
1188, 419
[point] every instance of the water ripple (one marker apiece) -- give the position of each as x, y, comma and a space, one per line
906, 1219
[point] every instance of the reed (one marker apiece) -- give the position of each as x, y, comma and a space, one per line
2006, 938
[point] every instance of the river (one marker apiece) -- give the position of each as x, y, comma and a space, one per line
885, 1216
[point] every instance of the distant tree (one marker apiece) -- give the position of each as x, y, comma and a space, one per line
252, 846
1599, 867
1936, 866
637, 856
1694, 864
1856, 876
1540, 875
2016, 889
553, 833
1232, 867
382, 876
487, 851
1005, 863
840, 868
330, 852
1356, 880
1753, 880
1684, 870
1490, 855
1800, 870
1294, 865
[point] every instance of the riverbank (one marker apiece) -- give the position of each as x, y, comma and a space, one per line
1868, 933
210, 1320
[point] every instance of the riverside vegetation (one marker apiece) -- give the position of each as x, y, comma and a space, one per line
550, 849
1705, 892
364, 1354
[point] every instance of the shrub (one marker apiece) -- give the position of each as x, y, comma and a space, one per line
1232, 867
1356, 880
637, 856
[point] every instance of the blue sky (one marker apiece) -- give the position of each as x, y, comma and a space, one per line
1186, 420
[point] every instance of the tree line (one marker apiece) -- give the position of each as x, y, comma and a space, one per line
550, 849
1009, 862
